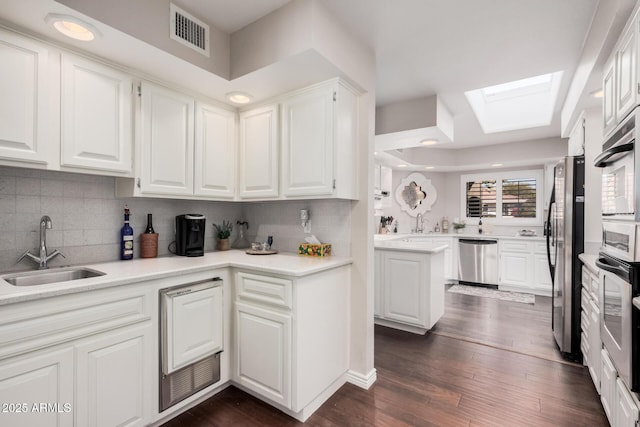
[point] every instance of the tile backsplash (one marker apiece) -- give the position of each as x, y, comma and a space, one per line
87, 218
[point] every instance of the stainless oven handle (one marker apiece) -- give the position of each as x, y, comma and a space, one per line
618, 270
602, 160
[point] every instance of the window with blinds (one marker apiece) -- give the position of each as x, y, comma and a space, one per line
519, 198
481, 199
510, 197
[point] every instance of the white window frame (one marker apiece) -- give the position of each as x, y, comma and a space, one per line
537, 174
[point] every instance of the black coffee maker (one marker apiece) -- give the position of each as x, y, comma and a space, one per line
190, 234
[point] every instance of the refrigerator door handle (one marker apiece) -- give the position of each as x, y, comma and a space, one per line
550, 229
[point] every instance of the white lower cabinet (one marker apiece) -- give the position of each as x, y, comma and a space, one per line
523, 267
626, 408
595, 345
266, 333
291, 345
620, 405
90, 357
40, 378
608, 386
409, 289
113, 377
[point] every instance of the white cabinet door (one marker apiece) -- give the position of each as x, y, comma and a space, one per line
43, 378
114, 378
542, 276
215, 152
626, 409
626, 80
194, 327
595, 345
307, 142
24, 102
166, 137
404, 287
608, 99
608, 386
258, 153
263, 352
514, 268
96, 129
448, 256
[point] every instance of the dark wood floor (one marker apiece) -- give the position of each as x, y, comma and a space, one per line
472, 370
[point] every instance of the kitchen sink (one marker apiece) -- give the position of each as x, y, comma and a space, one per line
56, 275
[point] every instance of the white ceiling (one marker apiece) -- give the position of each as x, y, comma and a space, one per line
443, 47
426, 47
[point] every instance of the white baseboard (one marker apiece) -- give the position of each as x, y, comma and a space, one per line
363, 381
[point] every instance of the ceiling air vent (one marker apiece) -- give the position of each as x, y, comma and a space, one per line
189, 30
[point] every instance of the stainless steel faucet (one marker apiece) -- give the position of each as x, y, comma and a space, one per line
419, 228
45, 223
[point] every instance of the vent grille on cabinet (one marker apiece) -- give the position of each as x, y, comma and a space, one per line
189, 30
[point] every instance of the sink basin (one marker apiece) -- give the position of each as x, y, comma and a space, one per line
56, 275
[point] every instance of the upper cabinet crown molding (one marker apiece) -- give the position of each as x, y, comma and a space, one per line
97, 126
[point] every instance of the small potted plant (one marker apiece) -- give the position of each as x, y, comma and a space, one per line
223, 232
459, 226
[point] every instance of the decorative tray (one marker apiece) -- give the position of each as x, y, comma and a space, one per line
268, 252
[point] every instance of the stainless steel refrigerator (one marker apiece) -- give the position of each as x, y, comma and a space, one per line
565, 241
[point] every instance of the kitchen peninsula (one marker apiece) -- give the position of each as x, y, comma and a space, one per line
99, 336
409, 283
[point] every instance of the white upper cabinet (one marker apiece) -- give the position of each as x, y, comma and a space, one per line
627, 80
620, 79
215, 152
307, 142
166, 141
24, 104
319, 140
258, 153
96, 131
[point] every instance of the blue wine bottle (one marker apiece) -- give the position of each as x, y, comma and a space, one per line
126, 237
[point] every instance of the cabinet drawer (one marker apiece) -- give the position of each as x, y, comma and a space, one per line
584, 347
36, 324
595, 289
586, 278
585, 323
264, 289
514, 246
585, 299
540, 247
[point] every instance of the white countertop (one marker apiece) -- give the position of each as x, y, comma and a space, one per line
120, 273
395, 245
394, 236
590, 261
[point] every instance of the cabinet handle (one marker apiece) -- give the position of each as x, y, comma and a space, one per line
138, 182
335, 95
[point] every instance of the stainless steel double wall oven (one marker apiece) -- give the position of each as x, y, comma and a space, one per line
619, 258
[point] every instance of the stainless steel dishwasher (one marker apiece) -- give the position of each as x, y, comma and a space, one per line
478, 261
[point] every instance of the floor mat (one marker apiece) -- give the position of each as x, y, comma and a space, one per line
481, 291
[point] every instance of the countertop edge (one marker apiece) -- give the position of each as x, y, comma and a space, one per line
10, 294
590, 261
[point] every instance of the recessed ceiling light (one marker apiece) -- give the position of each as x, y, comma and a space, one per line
239, 97
429, 142
375, 153
597, 93
402, 166
72, 27
495, 165
429, 167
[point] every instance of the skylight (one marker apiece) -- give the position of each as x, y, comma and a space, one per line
520, 104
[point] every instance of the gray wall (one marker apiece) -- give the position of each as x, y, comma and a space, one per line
87, 218
447, 203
